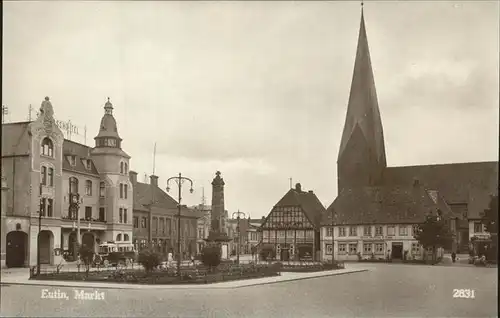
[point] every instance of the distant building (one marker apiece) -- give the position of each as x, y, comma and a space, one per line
292, 228
155, 219
43, 171
377, 205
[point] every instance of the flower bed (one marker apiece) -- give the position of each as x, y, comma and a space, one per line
310, 267
188, 276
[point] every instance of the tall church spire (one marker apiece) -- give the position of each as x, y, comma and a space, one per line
362, 140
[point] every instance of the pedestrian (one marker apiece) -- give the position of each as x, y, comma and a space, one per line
170, 258
453, 256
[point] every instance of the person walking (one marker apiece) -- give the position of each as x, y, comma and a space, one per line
453, 256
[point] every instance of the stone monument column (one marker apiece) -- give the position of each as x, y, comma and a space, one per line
218, 234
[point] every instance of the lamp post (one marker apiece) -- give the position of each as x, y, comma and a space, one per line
179, 180
238, 228
38, 260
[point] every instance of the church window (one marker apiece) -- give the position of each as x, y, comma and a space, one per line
126, 168
47, 147
125, 191
121, 191
121, 167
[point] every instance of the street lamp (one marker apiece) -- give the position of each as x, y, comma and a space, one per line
238, 228
38, 260
179, 180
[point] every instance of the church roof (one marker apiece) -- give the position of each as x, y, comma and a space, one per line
309, 202
468, 182
384, 205
362, 109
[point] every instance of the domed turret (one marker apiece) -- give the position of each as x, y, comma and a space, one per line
108, 131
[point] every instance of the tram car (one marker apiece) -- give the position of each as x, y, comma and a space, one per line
113, 253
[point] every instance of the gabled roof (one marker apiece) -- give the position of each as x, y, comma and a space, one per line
15, 139
309, 202
145, 193
469, 182
362, 109
382, 205
81, 152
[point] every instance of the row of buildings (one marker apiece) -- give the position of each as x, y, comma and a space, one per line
374, 212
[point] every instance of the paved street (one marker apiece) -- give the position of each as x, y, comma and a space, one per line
385, 291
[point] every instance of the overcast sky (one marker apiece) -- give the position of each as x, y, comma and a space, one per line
258, 90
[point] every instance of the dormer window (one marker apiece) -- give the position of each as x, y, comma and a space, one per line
88, 164
47, 147
72, 160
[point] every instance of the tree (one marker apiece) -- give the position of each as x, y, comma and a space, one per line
211, 256
434, 232
490, 216
149, 259
87, 257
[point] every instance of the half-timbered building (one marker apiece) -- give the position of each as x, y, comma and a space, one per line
292, 228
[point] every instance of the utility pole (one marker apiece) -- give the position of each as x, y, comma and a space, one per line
179, 180
238, 229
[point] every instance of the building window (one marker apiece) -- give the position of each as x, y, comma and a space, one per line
43, 175
118, 237
125, 190
50, 207
169, 226
50, 177
143, 223
47, 147
329, 249
353, 231
126, 168
72, 160
102, 189
120, 215
73, 185
88, 187
43, 202
342, 248
88, 213
353, 248
415, 248
136, 222
391, 231
367, 248
478, 227
403, 230
379, 231
125, 237
125, 218
88, 164
121, 191
367, 231
101, 215
121, 167
329, 231
341, 231
379, 248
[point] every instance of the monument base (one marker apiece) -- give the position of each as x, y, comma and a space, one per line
221, 240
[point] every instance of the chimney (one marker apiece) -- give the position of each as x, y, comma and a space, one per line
310, 191
298, 187
133, 176
154, 180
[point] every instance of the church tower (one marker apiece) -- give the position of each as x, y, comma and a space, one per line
115, 188
361, 160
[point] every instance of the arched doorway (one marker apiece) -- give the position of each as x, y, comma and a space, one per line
46, 241
88, 241
16, 249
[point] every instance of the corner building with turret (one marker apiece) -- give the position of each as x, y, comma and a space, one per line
42, 171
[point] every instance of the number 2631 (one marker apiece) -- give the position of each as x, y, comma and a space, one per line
464, 293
